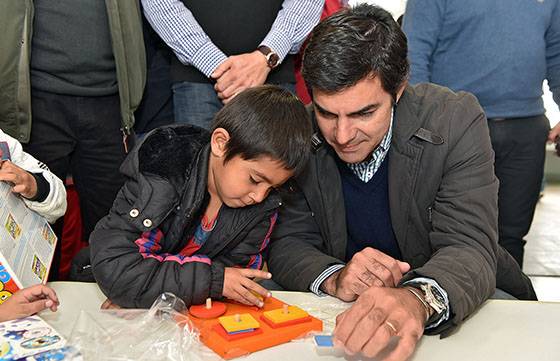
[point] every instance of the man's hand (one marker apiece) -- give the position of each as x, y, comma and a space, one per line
379, 314
367, 268
24, 183
28, 301
239, 72
239, 285
553, 136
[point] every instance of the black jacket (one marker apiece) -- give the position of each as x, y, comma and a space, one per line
443, 203
166, 189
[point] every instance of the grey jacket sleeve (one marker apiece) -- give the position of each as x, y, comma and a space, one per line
464, 220
297, 253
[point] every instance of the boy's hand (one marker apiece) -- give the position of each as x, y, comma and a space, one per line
109, 305
28, 301
24, 183
239, 285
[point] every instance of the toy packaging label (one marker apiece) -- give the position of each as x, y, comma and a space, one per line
27, 337
27, 245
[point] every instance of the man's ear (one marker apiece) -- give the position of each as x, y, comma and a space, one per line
401, 90
218, 142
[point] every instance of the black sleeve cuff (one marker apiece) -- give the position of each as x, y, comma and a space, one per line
43, 187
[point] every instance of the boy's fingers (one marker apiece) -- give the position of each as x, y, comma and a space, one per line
257, 289
255, 273
249, 297
35, 306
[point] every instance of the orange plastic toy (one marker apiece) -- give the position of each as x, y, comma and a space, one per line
211, 309
288, 323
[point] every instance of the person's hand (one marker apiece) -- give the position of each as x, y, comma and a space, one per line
554, 136
379, 314
109, 305
240, 286
367, 268
239, 72
28, 301
23, 182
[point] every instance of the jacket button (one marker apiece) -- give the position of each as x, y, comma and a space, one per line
147, 223
134, 213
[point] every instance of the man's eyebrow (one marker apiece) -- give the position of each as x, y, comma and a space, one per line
361, 111
365, 109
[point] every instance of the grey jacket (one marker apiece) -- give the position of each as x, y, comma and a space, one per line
16, 20
443, 197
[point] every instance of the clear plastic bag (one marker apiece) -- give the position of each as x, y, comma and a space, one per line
163, 332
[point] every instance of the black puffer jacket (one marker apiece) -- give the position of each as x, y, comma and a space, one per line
166, 191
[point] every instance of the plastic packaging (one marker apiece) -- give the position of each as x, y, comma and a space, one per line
163, 332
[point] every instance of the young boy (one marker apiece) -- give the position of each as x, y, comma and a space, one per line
42, 192
196, 212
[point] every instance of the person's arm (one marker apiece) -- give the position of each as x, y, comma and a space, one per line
41, 190
552, 38
176, 25
464, 217
297, 254
422, 25
293, 23
28, 301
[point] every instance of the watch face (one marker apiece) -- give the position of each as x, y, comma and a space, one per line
273, 59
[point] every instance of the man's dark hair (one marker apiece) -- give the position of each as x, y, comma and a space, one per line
352, 44
267, 121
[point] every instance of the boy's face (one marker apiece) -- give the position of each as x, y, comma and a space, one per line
240, 182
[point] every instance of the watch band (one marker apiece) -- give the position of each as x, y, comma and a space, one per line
420, 298
272, 59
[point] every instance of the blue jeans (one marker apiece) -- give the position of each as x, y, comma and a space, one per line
197, 103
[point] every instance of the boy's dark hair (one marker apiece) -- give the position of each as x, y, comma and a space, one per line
267, 121
352, 44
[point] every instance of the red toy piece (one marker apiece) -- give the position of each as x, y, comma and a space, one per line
209, 310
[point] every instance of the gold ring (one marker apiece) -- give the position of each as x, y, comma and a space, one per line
391, 326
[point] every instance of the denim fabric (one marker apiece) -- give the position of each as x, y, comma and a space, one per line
197, 103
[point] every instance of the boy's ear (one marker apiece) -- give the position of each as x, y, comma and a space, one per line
218, 142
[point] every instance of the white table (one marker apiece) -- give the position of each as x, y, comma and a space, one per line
500, 330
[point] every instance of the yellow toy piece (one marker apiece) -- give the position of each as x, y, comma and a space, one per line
285, 314
239, 322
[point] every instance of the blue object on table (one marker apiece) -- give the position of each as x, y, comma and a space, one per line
324, 340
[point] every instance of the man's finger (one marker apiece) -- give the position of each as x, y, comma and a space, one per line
365, 330
405, 349
385, 267
380, 339
221, 69
355, 314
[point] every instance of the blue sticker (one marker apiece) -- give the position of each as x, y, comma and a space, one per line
5, 151
324, 341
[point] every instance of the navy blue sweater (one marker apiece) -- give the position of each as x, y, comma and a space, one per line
368, 217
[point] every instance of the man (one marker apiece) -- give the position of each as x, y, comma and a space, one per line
501, 51
398, 206
73, 73
222, 48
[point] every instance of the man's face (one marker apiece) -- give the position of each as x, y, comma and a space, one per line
354, 120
